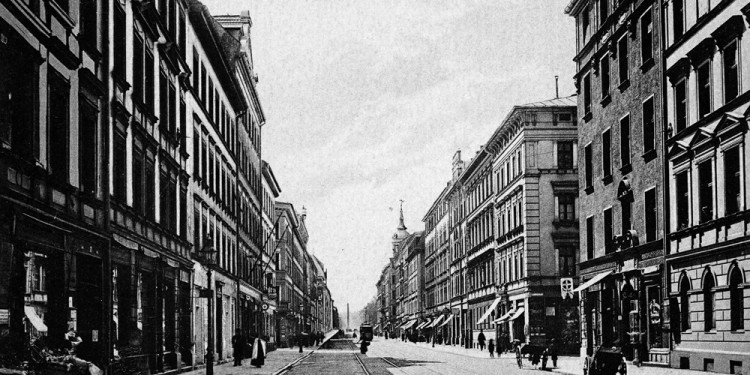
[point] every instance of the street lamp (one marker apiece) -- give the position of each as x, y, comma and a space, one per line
301, 306
207, 256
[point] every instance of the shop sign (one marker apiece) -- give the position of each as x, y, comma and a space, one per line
264, 306
654, 312
566, 287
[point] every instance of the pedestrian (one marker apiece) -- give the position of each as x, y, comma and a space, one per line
238, 344
553, 352
519, 357
299, 341
545, 354
258, 358
73, 340
535, 357
491, 348
481, 339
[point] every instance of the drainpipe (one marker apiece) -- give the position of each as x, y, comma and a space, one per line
665, 172
107, 115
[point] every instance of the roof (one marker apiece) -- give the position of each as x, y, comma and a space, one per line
556, 102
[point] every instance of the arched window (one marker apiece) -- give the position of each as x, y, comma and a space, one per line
684, 303
708, 301
737, 306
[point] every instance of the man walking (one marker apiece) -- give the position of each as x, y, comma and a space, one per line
238, 345
481, 339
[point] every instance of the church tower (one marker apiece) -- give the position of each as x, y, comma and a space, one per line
401, 232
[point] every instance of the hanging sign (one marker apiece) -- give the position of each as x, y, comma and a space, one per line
566, 287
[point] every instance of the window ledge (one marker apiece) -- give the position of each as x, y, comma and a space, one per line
607, 179
587, 117
737, 331
649, 155
625, 169
647, 64
624, 85
605, 100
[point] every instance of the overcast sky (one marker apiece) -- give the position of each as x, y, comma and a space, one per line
367, 101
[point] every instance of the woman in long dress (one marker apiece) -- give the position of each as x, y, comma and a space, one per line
259, 353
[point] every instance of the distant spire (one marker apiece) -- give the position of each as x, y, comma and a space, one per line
401, 225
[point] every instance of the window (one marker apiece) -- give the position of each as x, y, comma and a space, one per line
608, 236
196, 71
586, 94
604, 75
626, 206
706, 194
709, 302
564, 155
622, 59
118, 168
732, 180
567, 261
137, 68
150, 186
684, 303
119, 36
625, 141
704, 89
18, 95
566, 207
647, 37
683, 200
59, 125
681, 110
603, 11
87, 123
88, 23
607, 153
172, 105
589, 166
736, 299
163, 103
138, 176
731, 78
585, 24
650, 208
590, 237
182, 131
678, 18
649, 141
149, 78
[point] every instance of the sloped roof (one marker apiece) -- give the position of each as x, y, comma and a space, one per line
556, 102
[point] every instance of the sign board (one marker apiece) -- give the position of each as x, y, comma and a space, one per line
264, 306
654, 312
566, 287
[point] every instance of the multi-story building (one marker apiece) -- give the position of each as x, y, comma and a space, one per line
413, 248
437, 244
456, 322
290, 274
534, 176
620, 110
55, 114
707, 170
269, 262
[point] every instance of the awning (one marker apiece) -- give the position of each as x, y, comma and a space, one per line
436, 321
489, 311
35, 320
421, 325
518, 313
408, 325
592, 281
504, 317
447, 320
376, 326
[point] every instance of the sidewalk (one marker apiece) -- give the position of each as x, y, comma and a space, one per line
275, 361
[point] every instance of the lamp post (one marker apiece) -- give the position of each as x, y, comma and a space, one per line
301, 306
207, 256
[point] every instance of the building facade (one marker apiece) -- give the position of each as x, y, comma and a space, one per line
621, 188
707, 258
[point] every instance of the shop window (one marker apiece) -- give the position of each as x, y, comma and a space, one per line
607, 153
681, 109
709, 302
703, 74
732, 180
684, 303
625, 141
59, 126
649, 141
737, 300
706, 195
650, 214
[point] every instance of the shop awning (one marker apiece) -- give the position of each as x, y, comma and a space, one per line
35, 320
421, 325
447, 320
518, 313
376, 326
504, 317
436, 321
408, 325
489, 311
592, 281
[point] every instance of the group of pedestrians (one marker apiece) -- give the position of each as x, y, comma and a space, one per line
257, 348
536, 353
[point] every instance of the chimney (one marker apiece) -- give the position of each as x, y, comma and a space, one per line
303, 215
